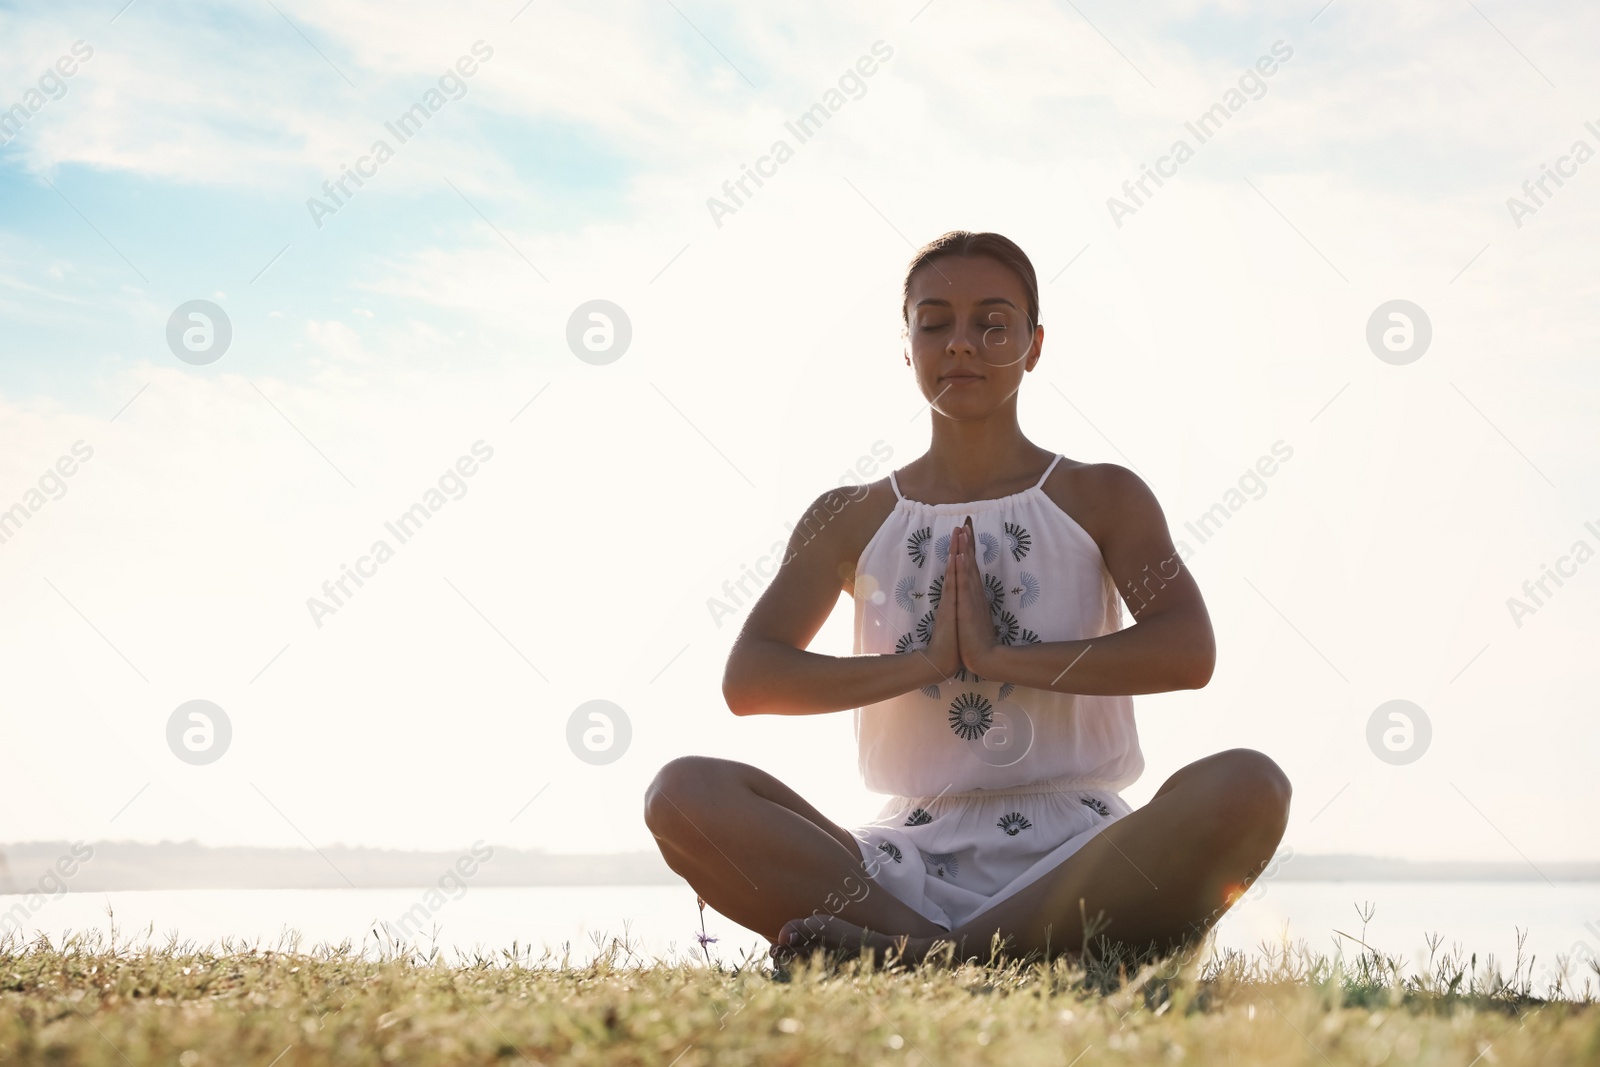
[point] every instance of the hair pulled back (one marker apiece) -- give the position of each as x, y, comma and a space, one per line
967, 243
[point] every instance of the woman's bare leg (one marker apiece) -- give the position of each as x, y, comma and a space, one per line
1163, 873
759, 854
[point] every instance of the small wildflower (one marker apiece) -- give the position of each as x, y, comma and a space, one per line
702, 936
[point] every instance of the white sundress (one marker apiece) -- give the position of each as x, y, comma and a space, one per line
990, 785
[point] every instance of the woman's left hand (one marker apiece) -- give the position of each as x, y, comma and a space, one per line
974, 621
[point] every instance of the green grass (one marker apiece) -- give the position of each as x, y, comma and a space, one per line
93, 1000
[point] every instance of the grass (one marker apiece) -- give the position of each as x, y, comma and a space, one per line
93, 1000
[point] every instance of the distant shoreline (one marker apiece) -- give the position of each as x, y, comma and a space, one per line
50, 867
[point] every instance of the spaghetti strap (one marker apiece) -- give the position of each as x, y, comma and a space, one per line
1047, 470
896, 486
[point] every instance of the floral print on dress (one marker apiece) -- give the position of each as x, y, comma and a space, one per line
941, 548
891, 849
905, 643
1026, 590
944, 864
925, 628
919, 817
995, 590
1095, 803
906, 595
1017, 540
936, 590
991, 547
971, 715
917, 543
931, 691
964, 675
1007, 689
1013, 823
1006, 628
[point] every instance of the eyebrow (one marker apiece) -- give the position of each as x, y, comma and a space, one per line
936, 301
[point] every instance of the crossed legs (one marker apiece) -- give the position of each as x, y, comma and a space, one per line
1164, 873
758, 853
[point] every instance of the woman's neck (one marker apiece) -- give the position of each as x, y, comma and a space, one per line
974, 460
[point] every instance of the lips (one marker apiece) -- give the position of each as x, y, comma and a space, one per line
957, 378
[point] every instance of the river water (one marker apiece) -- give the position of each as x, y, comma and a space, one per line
662, 921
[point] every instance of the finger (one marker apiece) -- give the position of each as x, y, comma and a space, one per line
952, 571
974, 579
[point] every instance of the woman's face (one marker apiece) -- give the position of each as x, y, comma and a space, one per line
969, 340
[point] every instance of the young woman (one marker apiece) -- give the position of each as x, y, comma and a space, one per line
992, 684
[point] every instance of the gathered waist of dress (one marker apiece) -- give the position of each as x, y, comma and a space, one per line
1070, 784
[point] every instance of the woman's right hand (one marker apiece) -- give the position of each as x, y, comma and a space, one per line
944, 650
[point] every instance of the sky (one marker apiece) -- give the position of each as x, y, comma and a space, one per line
418, 337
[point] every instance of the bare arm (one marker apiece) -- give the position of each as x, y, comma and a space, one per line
770, 673
1169, 646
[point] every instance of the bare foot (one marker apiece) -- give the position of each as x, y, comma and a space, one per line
799, 938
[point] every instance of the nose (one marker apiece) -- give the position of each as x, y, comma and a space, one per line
964, 338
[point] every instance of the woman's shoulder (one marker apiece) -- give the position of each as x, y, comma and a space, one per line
1095, 495
843, 519
851, 503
